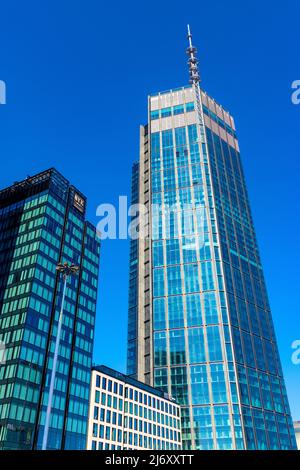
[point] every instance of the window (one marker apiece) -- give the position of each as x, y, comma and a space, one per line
97, 380
191, 278
158, 282
193, 307
214, 343
175, 311
159, 314
173, 251
179, 109
165, 112
109, 400
174, 280
157, 253
95, 429
154, 115
177, 347
189, 106
180, 137
218, 383
210, 305
200, 394
96, 412
160, 349
196, 345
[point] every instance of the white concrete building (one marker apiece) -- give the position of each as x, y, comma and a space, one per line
126, 414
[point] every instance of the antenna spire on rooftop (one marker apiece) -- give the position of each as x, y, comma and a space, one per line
193, 61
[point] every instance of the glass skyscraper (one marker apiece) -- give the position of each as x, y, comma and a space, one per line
42, 222
200, 326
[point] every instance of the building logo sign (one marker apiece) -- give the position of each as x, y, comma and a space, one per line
79, 202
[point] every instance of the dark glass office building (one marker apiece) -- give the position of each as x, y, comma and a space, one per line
42, 222
200, 325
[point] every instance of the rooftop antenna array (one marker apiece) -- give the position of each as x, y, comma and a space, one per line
193, 61
195, 81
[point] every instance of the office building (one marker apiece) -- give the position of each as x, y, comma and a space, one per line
126, 414
200, 326
42, 223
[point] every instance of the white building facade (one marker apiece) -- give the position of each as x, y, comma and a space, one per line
125, 414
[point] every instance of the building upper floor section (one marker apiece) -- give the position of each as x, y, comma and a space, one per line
177, 108
49, 179
136, 384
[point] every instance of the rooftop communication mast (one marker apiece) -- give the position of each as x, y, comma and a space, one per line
195, 80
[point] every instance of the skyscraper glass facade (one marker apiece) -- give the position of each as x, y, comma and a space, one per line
204, 330
42, 222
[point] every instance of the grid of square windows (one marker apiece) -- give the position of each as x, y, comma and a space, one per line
122, 416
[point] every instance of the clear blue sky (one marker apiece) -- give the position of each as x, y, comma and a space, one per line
78, 74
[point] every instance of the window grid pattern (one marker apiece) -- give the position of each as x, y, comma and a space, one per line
38, 231
209, 297
264, 400
125, 416
189, 310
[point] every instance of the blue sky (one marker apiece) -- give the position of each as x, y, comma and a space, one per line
78, 74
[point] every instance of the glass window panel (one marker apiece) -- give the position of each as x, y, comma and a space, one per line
175, 311
210, 307
193, 309
196, 345
159, 314
199, 385
160, 349
214, 343
177, 347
